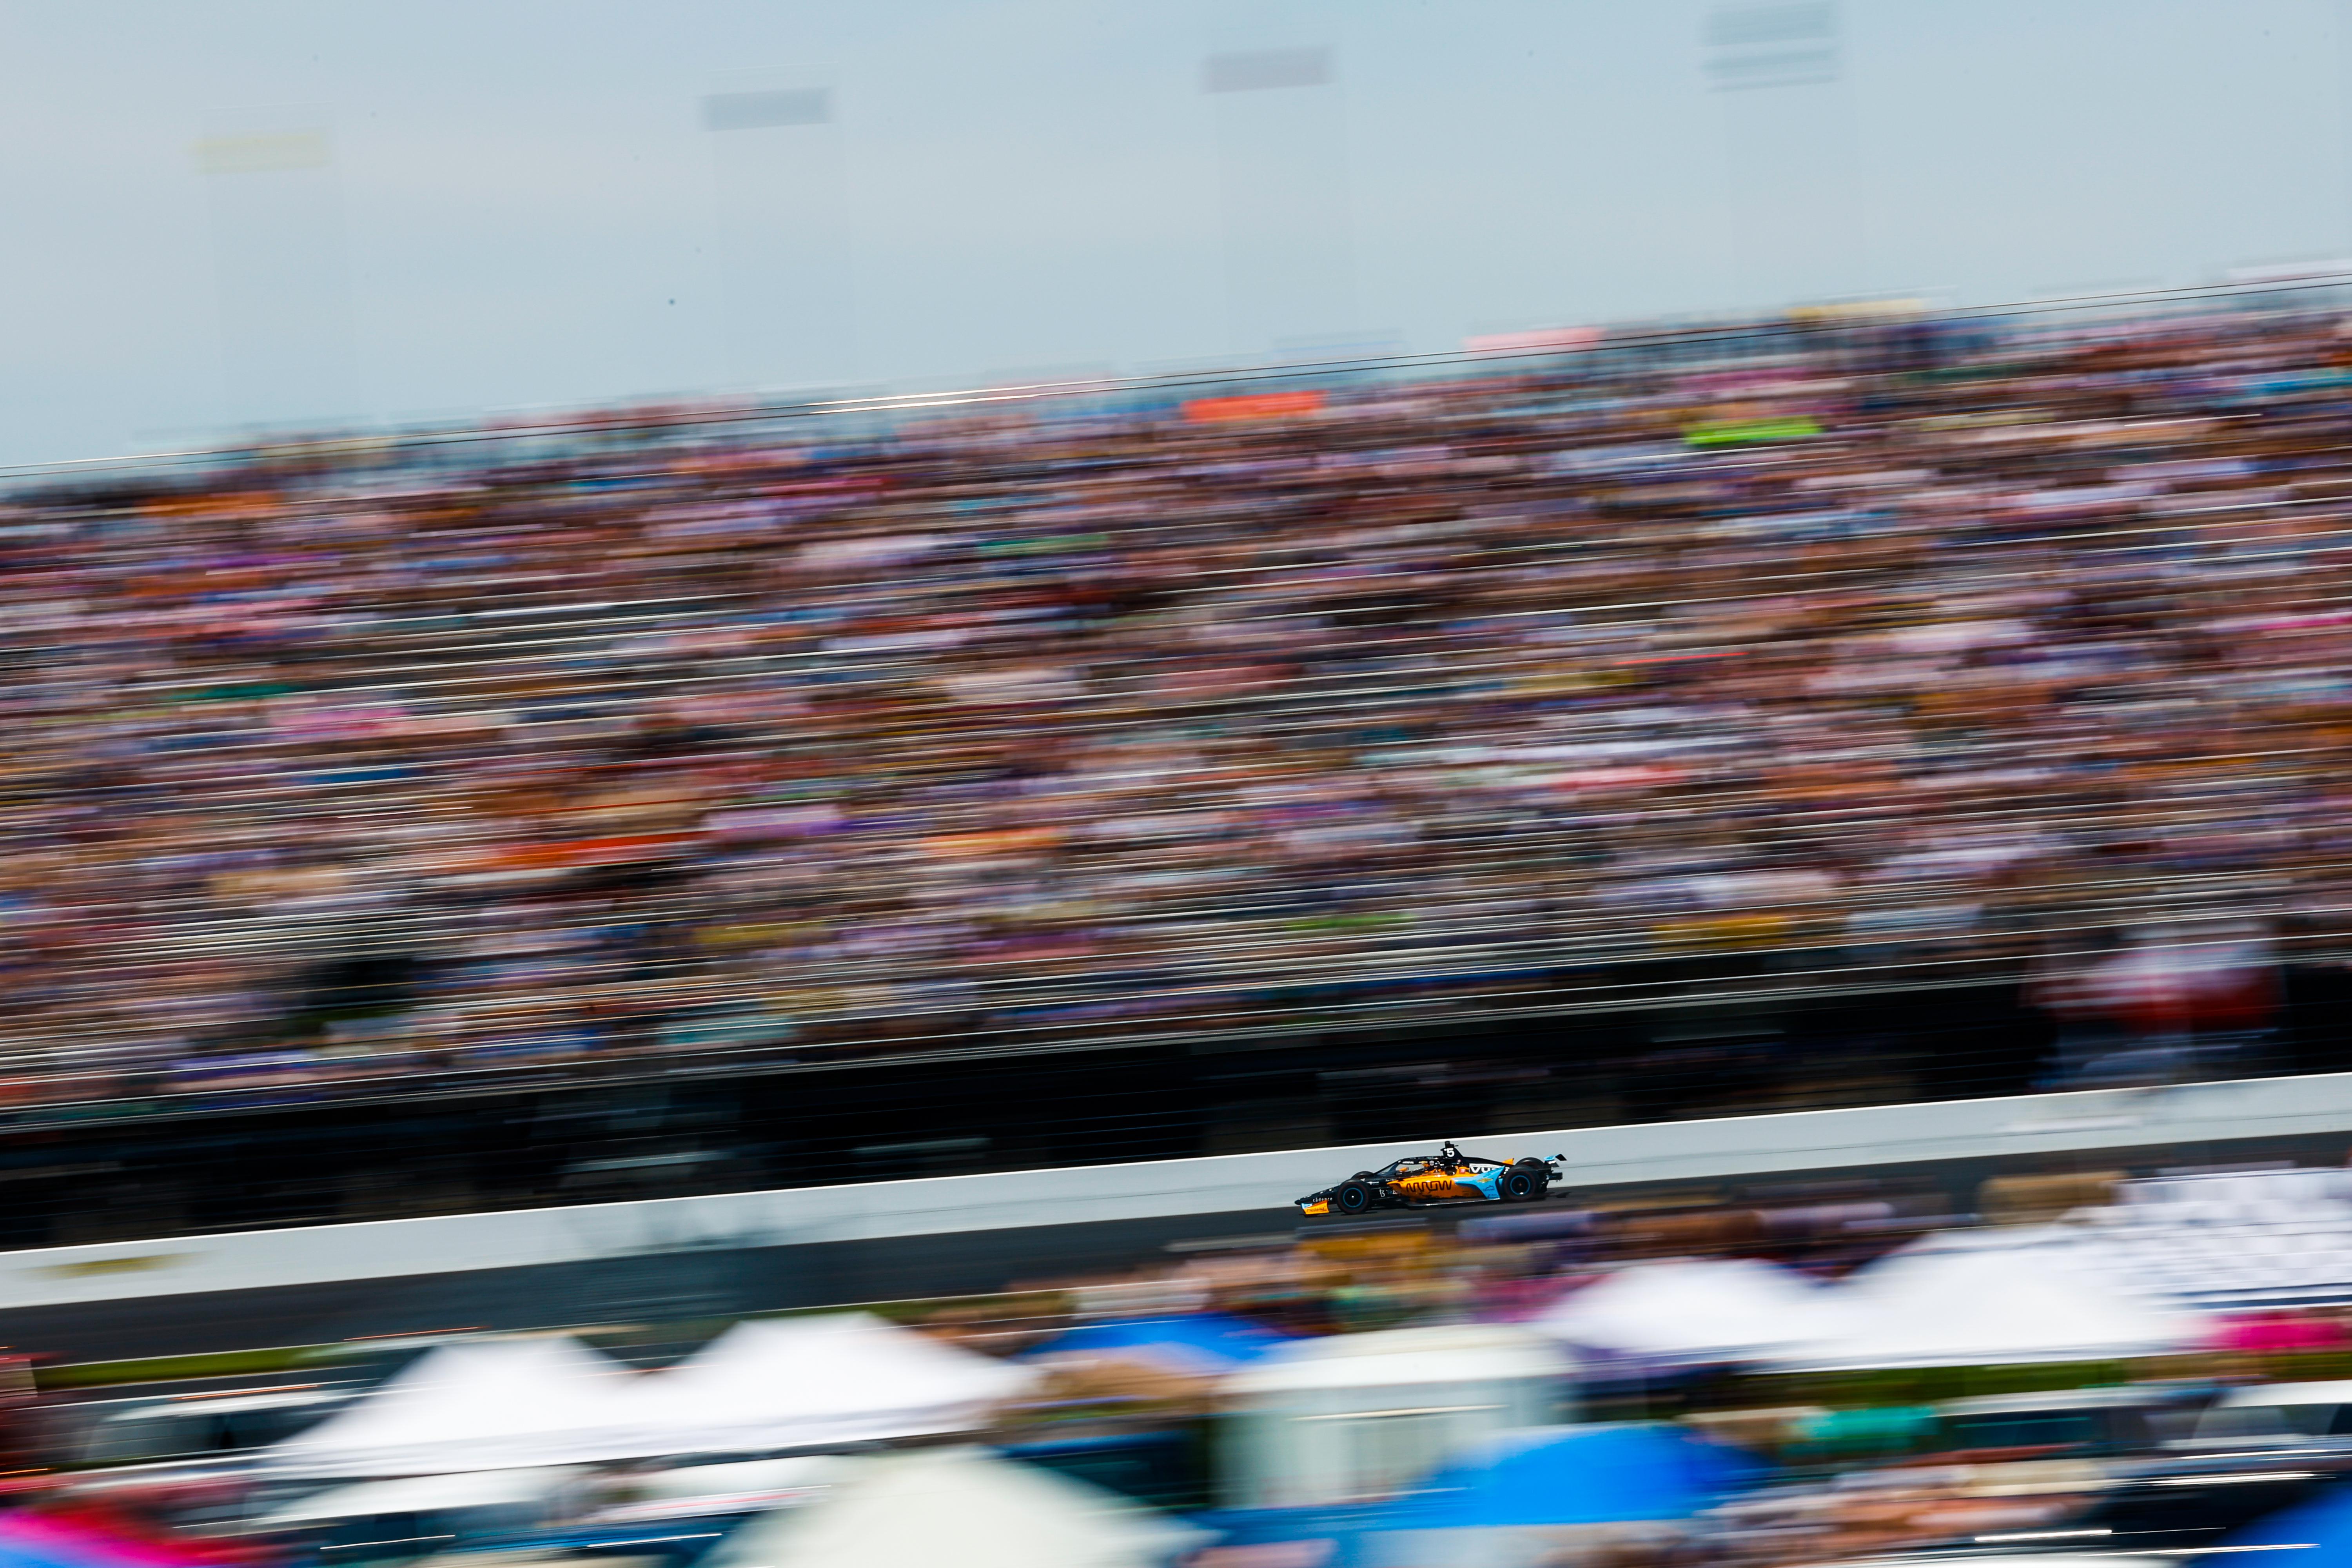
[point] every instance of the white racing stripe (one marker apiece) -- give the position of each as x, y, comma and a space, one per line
2182, 1117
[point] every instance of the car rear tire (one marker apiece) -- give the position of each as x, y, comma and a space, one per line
1522, 1185
1353, 1197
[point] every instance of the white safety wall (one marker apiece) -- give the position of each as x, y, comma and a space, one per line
2185, 1116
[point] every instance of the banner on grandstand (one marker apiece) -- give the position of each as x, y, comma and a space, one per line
576, 854
1253, 405
1742, 432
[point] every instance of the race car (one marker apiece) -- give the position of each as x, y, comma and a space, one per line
1448, 1176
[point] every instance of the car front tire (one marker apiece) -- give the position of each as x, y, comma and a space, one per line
1353, 1197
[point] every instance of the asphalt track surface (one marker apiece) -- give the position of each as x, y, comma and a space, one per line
718, 1282
672, 1286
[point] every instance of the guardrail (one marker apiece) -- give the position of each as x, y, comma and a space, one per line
2183, 1115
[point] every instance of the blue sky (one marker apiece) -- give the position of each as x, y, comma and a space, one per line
523, 208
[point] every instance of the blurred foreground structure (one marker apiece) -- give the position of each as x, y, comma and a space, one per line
1556, 1385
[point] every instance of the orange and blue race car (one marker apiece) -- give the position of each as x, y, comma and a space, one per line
1448, 1176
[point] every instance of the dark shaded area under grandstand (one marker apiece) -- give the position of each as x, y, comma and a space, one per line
724, 1124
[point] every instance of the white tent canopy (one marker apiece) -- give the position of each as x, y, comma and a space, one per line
426, 1494
1444, 1353
1987, 1306
803, 1383
960, 1506
742, 1478
488, 1405
742, 1486
1690, 1312
844, 1377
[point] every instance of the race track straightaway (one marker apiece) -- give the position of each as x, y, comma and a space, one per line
705, 1283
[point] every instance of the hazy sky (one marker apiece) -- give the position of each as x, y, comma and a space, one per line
508, 202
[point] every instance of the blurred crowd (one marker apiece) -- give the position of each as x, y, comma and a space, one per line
1856, 648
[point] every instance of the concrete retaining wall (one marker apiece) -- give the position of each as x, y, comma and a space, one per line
1731, 1146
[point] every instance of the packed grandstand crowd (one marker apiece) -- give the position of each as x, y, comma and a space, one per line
2024, 648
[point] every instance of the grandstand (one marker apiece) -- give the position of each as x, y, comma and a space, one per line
1813, 714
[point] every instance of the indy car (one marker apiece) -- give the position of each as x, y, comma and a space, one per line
1448, 1176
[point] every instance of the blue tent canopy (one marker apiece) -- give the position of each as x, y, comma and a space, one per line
2322, 1526
1577, 1475
1210, 1343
